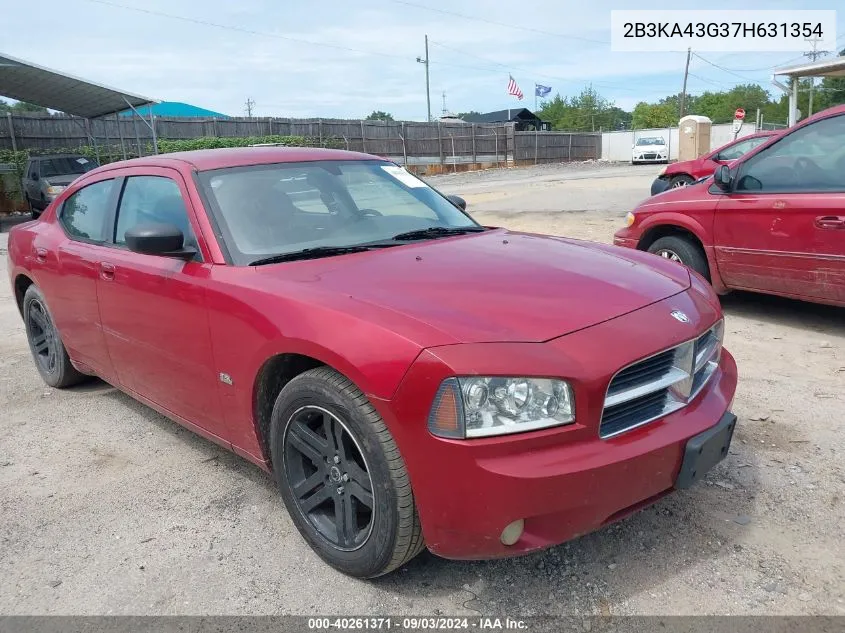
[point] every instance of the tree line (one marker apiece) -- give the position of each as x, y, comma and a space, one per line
589, 111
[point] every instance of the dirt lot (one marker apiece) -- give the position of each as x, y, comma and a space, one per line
108, 508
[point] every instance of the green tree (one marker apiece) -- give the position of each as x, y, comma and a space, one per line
378, 115
652, 115
461, 115
21, 107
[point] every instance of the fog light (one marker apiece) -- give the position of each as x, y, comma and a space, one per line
512, 532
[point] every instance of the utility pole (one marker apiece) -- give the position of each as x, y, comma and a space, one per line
684, 89
250, 104
427, 91
444, 105
813, 55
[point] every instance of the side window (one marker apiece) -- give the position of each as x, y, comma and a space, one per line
33, 169
811, 159
740, 149
84, 213
152, 199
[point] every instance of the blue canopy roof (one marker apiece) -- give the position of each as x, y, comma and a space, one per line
175, 109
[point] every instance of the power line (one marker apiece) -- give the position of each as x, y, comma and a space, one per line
503, 24
730, 72
244, 30
524, 70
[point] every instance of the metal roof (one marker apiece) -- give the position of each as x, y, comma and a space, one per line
52, 89
834, 67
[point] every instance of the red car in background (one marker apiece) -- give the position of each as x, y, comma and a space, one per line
410, 378
773, 221
687, 172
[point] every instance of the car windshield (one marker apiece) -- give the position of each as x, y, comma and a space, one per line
651, 140
66, 166
269, 210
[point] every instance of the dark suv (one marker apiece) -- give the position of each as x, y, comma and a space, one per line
46, 177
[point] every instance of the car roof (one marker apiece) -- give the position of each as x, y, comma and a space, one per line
205, 159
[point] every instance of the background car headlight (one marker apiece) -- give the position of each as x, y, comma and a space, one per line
481, 406
55, 190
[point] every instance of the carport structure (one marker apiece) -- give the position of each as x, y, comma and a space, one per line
829, 68
25, 81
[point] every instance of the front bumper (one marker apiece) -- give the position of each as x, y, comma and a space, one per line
660, 159
626, 237
563, 482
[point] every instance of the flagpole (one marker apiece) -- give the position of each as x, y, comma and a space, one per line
535, 98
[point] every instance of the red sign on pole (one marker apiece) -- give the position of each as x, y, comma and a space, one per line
739, 114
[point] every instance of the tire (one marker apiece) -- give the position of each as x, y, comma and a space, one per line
331, 450
682, 250
48, 351
681, 180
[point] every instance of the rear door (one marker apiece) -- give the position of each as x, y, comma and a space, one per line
782, 229
153, 308
66, 264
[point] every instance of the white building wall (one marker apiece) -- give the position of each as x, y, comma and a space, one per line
616, 146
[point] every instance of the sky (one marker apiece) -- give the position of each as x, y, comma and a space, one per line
346, 58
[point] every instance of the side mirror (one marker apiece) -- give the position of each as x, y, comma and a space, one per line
158, 239
458, 202
722, 177
35, 177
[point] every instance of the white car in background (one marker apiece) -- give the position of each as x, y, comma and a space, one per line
650, 149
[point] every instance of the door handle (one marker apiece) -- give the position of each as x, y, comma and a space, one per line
107, 271
40, 255
830, 222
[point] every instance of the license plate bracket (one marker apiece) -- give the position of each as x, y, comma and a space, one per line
705, 450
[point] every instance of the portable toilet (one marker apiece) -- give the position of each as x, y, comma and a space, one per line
694, 136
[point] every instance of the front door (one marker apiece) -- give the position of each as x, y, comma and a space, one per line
153, 308
782, 228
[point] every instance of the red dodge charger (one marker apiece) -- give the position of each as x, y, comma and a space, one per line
410, 378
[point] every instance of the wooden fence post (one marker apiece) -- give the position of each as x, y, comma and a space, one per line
12, 132
536, 143
474, 153
440, 141
569, 153
120, 134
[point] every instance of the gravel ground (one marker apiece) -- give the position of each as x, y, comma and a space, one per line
108, 508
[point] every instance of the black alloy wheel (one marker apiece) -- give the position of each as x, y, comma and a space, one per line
42, 337
329, 477
45, 343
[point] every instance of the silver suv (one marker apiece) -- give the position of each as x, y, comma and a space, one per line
47, 176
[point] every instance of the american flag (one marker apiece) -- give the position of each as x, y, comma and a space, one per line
513, 89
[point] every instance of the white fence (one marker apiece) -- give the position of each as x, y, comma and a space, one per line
616, 146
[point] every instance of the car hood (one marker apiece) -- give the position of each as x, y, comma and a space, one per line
494, 286
62, 180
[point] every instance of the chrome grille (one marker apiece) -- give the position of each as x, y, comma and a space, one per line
660, 384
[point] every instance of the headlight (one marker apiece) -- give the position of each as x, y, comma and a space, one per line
630, 218
55, 190
481, 406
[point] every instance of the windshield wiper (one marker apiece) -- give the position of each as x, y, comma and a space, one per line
437, 231
314, 253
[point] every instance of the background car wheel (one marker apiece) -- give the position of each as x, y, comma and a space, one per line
341, 476
47, 349
684, 251
682, 180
